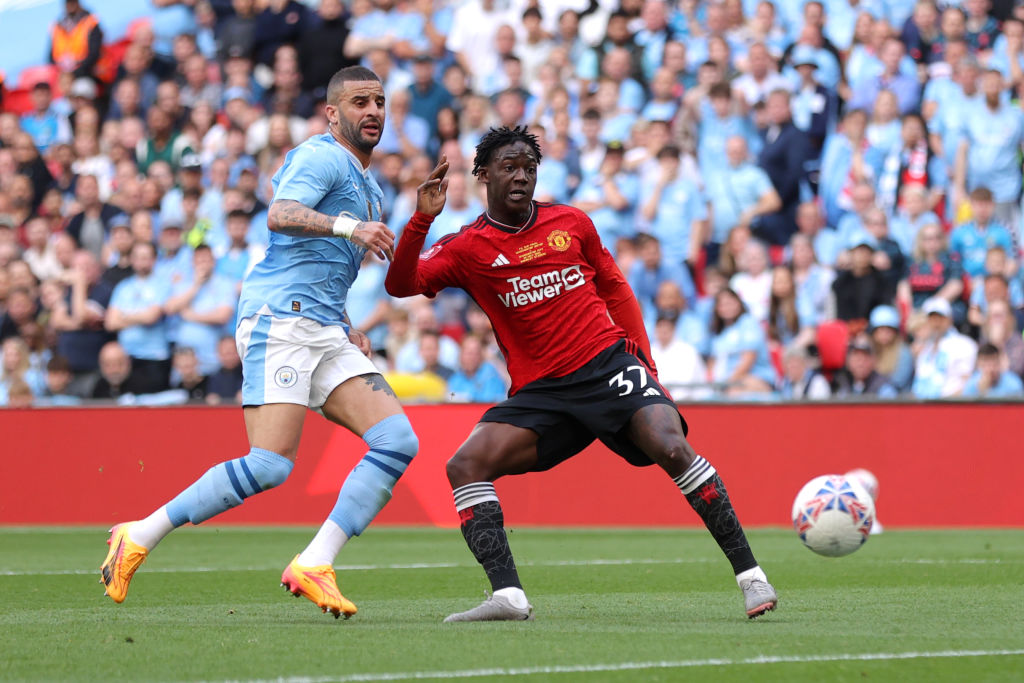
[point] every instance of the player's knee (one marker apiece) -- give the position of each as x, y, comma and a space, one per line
672, 456
394, 439
267, 468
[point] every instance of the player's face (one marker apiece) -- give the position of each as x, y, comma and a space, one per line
511, 177
358, 116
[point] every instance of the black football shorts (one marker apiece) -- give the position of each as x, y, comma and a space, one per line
594, 402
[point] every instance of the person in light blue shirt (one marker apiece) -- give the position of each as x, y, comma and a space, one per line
719, 122
989, 152
676, 210
610, 197
650, 269
204, 305
298, 351
136, 313
971, 241
990, 380
475, 380
739, 361
738, 193
46, 126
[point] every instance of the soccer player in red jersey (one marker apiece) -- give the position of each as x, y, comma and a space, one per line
573, 337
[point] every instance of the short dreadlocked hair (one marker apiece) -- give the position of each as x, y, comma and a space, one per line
499, 137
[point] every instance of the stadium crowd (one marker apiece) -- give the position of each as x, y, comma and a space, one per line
809, 198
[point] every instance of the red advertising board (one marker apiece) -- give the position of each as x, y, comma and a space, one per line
938, 465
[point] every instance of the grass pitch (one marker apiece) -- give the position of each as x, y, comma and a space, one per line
611, 605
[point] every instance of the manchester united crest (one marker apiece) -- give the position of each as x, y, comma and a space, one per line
559, 240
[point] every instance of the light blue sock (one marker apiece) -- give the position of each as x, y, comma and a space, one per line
368, 486
226, 485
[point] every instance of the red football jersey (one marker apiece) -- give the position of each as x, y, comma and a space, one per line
547, 287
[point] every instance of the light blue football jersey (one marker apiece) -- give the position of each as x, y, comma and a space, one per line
304, 276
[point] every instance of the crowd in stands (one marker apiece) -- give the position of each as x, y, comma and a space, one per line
810, 199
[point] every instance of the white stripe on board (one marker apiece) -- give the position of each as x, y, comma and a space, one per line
451, 565
637, 666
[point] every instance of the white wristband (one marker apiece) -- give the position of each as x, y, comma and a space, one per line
345, 225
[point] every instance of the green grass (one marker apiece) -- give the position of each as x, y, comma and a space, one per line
661, 607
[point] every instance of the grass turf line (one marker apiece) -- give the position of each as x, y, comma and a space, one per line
905, 591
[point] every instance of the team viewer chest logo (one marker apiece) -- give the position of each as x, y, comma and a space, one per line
528, 290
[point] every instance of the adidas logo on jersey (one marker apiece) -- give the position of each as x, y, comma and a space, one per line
502, 260
528, 290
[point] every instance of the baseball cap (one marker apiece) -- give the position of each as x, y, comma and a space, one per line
6, 220
862, 238
83, 87
120, 220
938, 306
884, 316
804, 54
191, 162
860, 344
614, 146
236, 93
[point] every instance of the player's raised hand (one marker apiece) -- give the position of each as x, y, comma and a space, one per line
376, 237
431, 195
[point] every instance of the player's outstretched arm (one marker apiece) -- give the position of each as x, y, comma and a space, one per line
404, 277
293, 218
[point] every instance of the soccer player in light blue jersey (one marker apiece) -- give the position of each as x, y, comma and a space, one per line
298, 352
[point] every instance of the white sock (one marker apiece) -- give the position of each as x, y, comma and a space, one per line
516, 596
151, 530
755, 573
325, 546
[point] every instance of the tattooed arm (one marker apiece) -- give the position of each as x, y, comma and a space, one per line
293, 218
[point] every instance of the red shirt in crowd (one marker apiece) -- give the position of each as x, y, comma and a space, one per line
548, 287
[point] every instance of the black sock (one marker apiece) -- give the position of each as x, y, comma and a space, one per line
710, 500
483, 527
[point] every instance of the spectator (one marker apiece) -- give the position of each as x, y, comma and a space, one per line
989, 151
1000, 328
404, 132
991, 379
676, 210
321, 47
475, 380
225, 384
116, 376
861, 287
609, 197
281, 22
681, 370
1001, 280
813, 278
46, 126
783, 156
190, 377
860, 377
790, 323
815, 106
894, 357
739, 363
198, 87
427, 96
800, 377
136, 314
117, 251
847, 161
205, 305
971, 241
944, 357
753, 281
22, 307
430, 352
761, 78
650, 269
905, 87
883, 129
912, 213
933, 272
58, 382
78, 318
424, 319
888, 258
235, 32
461, 208
40, 252
76, 42
15, 367
740, 194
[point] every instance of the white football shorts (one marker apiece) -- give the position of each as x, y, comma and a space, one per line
295, 360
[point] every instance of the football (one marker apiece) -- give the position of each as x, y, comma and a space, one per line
832, 515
